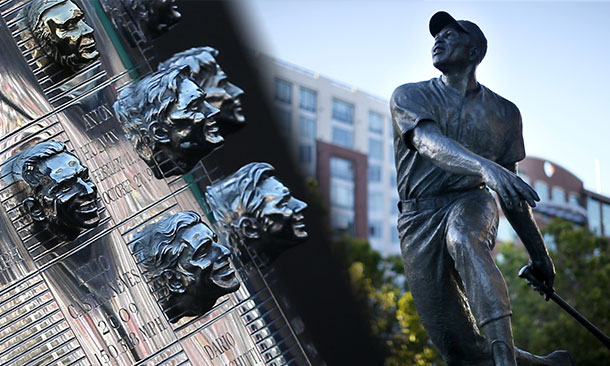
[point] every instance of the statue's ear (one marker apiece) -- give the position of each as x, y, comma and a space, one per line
30, 176
475, 52
159, 132
33, 207
248, 228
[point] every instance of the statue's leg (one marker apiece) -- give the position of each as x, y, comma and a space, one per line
439, 300
471, 231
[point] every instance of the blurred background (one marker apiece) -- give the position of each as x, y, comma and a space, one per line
318, 76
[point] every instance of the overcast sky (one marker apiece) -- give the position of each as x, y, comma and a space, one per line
550, 58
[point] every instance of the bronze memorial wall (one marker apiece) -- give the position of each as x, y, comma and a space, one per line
117, 245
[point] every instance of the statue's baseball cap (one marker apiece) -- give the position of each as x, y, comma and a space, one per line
442, 19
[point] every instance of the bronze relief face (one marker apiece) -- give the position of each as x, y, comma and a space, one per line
182, 253
257, 208
60, 29
154, 17
170, 124
59, 192
220, 92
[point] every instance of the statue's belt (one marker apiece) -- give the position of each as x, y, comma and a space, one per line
433, 203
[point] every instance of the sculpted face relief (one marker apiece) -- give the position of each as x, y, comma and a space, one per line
58, 190
281, 213
183, 253
258, 209
60, 29
166, 117
222, 94
154, 17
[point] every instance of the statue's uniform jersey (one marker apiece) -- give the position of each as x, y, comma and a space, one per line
448, 222
482, 121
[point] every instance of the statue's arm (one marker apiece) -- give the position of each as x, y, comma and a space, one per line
522, 220
449, 155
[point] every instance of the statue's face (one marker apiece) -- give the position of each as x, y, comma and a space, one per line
162, 15
281, 213
207, 260
191, 131
225, 96
69, 34
451, 48
67, 195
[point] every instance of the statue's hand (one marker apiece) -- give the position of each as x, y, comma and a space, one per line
544, 272
511, 189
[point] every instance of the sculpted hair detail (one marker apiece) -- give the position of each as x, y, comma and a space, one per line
200, 60
237, 195
40, 31
23, 167
144, 103
153, 247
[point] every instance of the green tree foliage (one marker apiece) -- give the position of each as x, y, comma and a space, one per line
379, 282
582, 262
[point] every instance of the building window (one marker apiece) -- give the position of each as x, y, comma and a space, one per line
284, 117
374, 173
375, 149
574, 200
558, 195
593, 209
606, 219
283, 91
307, 99
376, 122
342, 221
341, 168
375, 229
342, 196
307, 128
542, 189
343, 137
305, 154
375, 201
343, 111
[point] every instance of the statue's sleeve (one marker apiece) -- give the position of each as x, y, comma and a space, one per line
514, 149
409, 105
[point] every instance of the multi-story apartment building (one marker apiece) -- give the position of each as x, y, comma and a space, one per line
343, 137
